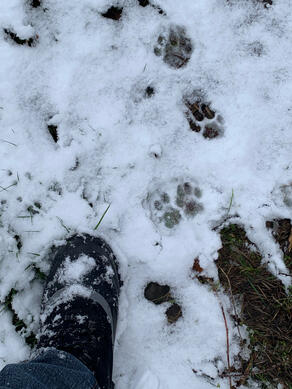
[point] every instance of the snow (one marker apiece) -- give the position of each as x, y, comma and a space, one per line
13, 348
74, 271
88, 75
65, 295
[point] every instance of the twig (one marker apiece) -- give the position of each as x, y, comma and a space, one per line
227, 340
227, 345
247, 370
233, 301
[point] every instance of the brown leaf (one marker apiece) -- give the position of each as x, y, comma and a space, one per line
196, 266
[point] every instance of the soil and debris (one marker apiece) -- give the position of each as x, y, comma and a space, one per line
114, 13
264, 307
282, 232
159, 294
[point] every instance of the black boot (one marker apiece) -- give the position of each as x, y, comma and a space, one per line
80, 304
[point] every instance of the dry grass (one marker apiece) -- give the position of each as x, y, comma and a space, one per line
282, 232
266, 310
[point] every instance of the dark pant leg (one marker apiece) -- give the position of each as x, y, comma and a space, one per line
52, 369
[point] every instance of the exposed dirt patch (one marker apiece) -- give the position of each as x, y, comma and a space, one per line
175, 47
114, 13
53, 130
35, 3
266, 3
149, 91
146, 3
37, 204
282, 232
159, 294
173, 313
18, 241
266, 310
201, 117
12, 36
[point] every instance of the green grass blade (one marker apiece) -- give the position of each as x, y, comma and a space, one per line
100, 220
231, 201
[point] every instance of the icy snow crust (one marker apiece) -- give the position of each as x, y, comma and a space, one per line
87, 75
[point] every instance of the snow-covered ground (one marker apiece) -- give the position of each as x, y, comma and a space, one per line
87, 75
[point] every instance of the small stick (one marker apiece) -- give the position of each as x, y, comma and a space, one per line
227, 345
233, 301
247, 370
227, 340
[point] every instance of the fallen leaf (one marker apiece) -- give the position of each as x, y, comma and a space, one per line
196, 266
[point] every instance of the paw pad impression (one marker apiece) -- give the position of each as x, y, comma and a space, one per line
201, 117
175, 47
168, 206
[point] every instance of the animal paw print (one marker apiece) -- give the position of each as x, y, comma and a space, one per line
201, 116
175, 47
10, 35
168, 209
